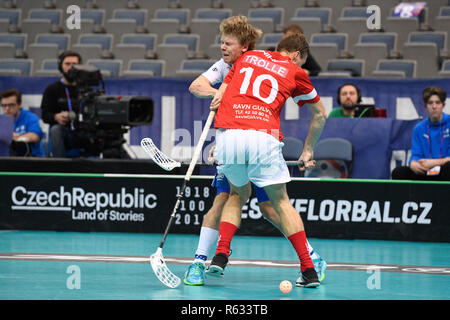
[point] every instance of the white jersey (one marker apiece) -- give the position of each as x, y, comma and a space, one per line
217, 72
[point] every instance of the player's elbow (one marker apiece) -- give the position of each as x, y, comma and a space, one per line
195, 87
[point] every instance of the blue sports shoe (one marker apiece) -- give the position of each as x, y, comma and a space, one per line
195, 274
320, 266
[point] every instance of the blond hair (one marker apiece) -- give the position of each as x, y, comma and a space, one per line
238, 27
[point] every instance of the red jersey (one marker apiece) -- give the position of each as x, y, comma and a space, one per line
258, 85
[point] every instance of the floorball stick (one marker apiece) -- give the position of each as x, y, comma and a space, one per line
157, 259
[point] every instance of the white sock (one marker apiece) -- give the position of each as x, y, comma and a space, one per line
311, 251
208, 237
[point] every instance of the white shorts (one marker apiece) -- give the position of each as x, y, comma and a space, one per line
250, 155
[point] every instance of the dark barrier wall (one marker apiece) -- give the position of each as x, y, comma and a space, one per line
380, 144
345, 209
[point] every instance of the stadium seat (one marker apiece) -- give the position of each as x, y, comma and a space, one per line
96, 15
323, 52
445, 70
190, 40
18, 39
341, 39
54, 15
25, 66
147, 39
354, 12
118, 27
126, 52
161, 27
4, 25
62, 40
402, 26
441, 23
269, 41
211, 13
193, 68
38, 52
437, 37
356, 67
6, 133
139, 15
86, 26
388, 38
108, 68
32, 27
407, 67
276, 14
7, 50
308, 25
324, 14
13, 15
292, 149
105, 40
349, 25
427, 55
49, 67
371, 53
156, 67
91, 50
334, 159
182, 15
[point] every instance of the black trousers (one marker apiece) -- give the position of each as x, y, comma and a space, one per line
405, 173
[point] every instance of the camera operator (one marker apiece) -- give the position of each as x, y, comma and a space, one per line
60, 108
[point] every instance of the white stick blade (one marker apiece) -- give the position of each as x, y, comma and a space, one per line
158, 156
161, 270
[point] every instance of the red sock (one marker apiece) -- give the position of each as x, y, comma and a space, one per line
298, 241
226, 233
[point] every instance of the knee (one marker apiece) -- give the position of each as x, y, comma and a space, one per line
56, 131
400, 173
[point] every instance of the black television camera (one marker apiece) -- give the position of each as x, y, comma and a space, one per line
106, 118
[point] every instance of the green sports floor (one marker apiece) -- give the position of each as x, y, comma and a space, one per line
103, 266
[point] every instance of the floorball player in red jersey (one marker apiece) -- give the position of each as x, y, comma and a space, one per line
249, 148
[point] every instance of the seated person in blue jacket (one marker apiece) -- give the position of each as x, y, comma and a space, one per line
27, 131
430, 150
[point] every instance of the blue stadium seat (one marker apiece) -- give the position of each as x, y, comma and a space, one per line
182, 15
54, 15
211, 13
62, 40
334, 159
437, 37
269, 41
356, 67
157, 67
338, 38
388, 38
292, 149
408, 67
191, 40
276, 14
13, 15
18, 39
355, 12
323, 13
105, 40
96, 15
148, 39
139, 15
24, 65
113, 68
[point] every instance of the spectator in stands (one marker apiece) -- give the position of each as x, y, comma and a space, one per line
311, 66
27, 131
430, 159
348, 96
60, 107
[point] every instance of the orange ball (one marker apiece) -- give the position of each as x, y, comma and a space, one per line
285, 286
